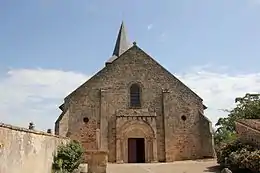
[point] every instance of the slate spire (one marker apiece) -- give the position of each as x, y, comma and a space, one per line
122, 43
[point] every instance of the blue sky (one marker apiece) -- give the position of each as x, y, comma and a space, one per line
49, 47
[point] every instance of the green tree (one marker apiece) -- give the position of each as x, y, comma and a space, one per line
68, 158
224, 135
248, 107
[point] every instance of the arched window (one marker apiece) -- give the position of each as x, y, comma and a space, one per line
135, 100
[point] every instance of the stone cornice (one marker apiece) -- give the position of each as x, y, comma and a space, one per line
135, 113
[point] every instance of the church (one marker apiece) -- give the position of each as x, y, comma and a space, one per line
137, 111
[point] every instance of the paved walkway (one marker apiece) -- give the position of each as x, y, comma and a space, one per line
200, 166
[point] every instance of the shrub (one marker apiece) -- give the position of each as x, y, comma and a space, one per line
224, 151
235, 159
252, 162
238, 156
68, 158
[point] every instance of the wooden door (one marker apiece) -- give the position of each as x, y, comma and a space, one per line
132, 150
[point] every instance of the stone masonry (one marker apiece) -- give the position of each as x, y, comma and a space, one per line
169, 118
97, 162
248, 131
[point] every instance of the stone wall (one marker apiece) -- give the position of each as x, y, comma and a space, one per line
97, 162
26, 151
253, 123
249, 131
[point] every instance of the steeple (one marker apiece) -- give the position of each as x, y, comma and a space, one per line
122, 43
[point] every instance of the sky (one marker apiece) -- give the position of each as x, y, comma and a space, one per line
48, 48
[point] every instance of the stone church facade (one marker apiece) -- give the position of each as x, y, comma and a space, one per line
137, 111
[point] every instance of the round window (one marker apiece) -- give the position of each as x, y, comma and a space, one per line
85, 120
183, 117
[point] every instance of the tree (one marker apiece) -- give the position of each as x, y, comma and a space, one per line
68, 158
223, 135
248, 107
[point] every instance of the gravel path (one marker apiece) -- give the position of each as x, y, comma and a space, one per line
200, 166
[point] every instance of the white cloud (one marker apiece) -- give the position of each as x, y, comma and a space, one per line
149, 27
219, 90
35, 94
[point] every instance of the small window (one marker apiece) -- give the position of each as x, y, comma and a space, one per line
85, 120
184, 118
135, 100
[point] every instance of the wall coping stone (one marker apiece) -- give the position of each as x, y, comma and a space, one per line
251, 123
22, 129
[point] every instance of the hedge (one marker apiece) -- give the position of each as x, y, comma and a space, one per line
238, 156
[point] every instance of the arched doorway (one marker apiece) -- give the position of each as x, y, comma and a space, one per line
136, 142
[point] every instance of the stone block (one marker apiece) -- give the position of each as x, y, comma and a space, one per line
97, 162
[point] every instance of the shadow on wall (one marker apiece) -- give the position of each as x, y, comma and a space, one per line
27, 150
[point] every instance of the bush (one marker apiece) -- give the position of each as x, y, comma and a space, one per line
68, 157
235, 159
252, 162
237, 156
224, 151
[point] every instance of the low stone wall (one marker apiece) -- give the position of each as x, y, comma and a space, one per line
26, 151
248, 132
97, 161
253, 123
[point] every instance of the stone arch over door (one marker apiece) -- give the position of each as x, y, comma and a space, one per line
136, 129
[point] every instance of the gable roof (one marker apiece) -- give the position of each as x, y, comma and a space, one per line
138, 48
64, 110
163, 68
122, 46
